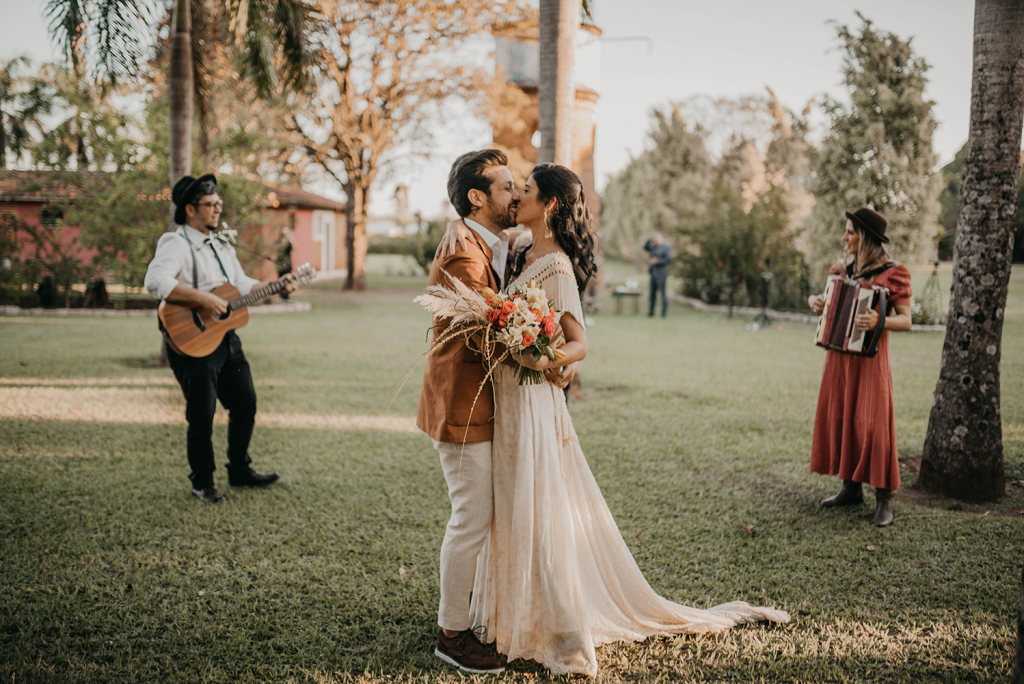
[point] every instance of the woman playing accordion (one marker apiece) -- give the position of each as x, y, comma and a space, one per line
855, 425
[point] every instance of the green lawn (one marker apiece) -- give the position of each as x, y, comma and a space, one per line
693, 426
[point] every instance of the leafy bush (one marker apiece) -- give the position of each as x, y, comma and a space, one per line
421, 246
725, 255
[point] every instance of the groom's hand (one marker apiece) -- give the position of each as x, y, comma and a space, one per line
562, 378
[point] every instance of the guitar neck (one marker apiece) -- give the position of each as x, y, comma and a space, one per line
256, 295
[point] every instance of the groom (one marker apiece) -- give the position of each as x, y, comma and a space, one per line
483, 193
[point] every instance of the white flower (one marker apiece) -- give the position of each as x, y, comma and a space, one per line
512, 337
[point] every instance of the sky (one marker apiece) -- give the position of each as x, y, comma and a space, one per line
724, 48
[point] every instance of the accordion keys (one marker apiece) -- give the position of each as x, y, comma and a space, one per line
846, 299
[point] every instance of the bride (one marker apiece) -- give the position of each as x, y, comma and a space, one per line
555, 579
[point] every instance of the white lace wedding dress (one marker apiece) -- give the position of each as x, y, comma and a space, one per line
556, 579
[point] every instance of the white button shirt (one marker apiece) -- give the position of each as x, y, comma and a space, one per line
172, 264
498, 244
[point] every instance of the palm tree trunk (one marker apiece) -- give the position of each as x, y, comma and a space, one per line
559, 22
179, 98
1018, 661
963, 449
180, 92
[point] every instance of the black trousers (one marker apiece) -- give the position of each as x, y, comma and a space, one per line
223, 375
658, 285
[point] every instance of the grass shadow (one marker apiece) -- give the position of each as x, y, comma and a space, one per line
150, 361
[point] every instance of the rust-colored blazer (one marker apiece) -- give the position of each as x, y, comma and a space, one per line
454, 372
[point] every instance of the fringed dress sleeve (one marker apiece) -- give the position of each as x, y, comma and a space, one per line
560, 286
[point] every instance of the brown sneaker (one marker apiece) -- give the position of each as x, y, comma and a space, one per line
465, 652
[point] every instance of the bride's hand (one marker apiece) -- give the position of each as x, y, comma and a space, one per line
451, 239
561, 378
543, 364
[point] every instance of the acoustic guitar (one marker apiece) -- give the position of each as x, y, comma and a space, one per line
196, 331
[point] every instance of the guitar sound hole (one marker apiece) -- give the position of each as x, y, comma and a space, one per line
224, 316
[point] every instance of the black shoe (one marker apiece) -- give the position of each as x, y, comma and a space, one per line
209, 494
465, 652
850, 494
253, 479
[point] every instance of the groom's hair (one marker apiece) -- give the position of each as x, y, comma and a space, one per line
469, 172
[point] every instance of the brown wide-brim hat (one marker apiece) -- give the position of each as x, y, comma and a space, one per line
870, 221
185, 192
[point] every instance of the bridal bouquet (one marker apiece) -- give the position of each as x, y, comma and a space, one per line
523, 321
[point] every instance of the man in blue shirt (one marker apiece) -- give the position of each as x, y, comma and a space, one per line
661, 256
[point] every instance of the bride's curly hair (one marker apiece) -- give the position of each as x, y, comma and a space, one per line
570, 219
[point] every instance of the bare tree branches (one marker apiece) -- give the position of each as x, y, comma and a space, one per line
384, 68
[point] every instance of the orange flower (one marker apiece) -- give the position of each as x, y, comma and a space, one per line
548, 325
502, 321
537, 314
490, 295
508, 307
528, 340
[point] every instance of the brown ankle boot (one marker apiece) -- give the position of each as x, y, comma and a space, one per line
850, 494
883, 507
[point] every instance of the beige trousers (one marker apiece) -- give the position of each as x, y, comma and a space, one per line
468, 474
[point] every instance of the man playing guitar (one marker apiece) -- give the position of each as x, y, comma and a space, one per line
188, 264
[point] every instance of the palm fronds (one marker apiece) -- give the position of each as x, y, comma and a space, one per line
114, 25
67, 26
271, 34
119, 28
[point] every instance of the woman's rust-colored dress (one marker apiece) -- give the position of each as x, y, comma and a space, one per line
855, 425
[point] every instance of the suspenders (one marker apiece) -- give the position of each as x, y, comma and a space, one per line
195, 270
195, 275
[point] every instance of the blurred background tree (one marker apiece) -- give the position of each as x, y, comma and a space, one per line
664, 189
724, 217
91, 131
878, 151
385, 69
736, 245
24, 98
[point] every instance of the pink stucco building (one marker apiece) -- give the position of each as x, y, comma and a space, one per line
40, 199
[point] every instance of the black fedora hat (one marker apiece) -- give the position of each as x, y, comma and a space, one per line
870, 221
185, 192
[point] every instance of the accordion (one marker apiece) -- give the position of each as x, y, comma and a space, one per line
846, 299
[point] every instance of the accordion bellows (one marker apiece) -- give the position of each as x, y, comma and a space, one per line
846, 299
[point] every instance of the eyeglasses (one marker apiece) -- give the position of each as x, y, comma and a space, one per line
219, 204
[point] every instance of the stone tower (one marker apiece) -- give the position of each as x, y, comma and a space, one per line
517, 57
